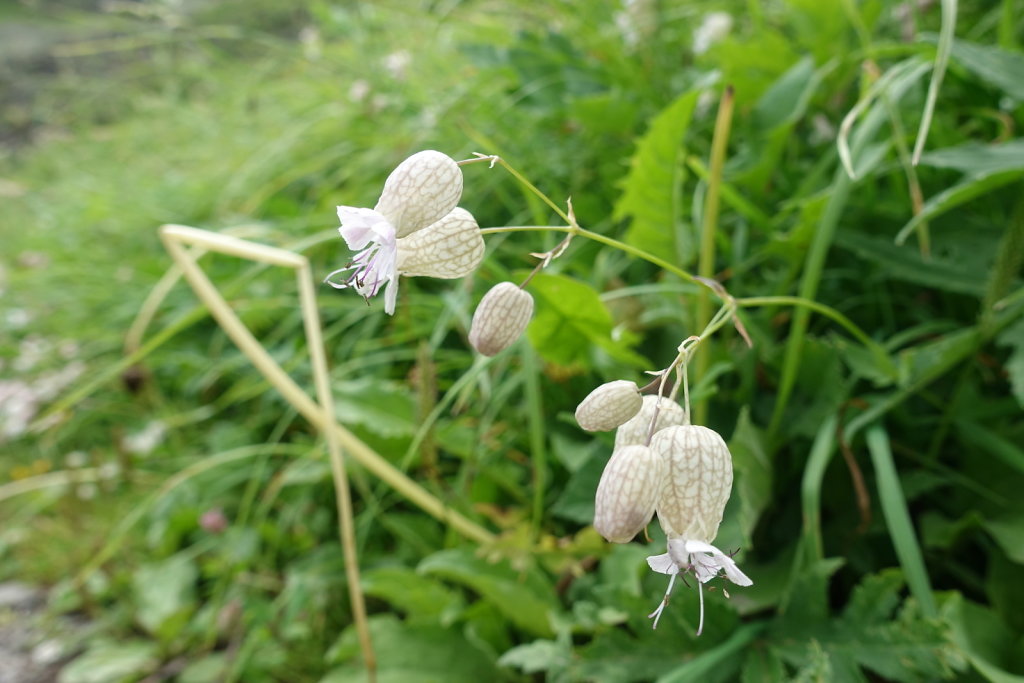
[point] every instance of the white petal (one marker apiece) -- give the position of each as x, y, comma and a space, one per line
662, 564
391, 295
450, 248
361, 226
420, 191
719, 561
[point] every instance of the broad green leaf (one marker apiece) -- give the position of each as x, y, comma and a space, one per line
989, 645
419, 596
1008, 531
906, 263
753, 473
110, 662
569, 320
576, 503
786, 100
384, 408
924, 362
538, 656
525, 598
410, 654
652, 195
1001, 68
165, 594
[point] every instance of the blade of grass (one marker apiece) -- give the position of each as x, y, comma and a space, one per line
941, 62
535, 416
897, 520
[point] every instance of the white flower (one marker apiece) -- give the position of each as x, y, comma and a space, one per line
704, 560
414, 229
713, 29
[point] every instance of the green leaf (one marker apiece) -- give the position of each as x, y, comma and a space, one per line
651, 193
897, 519
421, 597
985, 439
718, 664
165, 594
540, 655
906, 264
384, 408
973, 158
786, 100
975, 185
570, 318
753, 473
1013, 336
1001, 68
576, 502
1008, 531
110, 662
989, 645
410, 654
526, 598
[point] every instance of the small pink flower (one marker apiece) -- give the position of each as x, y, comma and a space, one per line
213, 521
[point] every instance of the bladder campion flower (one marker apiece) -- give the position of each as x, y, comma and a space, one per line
628, 492
415, 229
637, 429
501, 317
609, 405
696, 488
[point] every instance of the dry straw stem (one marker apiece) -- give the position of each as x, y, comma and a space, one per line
321, 412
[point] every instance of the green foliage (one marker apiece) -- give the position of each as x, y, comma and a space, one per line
211, 553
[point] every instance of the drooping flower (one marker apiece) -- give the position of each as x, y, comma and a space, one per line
414, 229
637, 428
690, 505
627, 493
704, 560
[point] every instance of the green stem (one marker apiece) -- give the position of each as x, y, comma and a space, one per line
535, 415
706, 264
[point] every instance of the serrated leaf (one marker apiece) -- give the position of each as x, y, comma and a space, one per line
570, 318
651, 194
526, 598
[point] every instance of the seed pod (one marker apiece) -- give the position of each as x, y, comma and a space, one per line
420, 191
500, 318
452, 247
697, 483
609, 405
634, 432
627, 493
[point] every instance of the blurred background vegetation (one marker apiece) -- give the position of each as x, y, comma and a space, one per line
185, 513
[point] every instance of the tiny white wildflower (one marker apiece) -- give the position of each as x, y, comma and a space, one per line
420, 195
713, 29
143, 442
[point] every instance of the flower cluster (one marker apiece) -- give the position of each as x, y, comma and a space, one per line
415, 229
662, 464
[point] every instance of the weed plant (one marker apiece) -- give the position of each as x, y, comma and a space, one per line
165, 491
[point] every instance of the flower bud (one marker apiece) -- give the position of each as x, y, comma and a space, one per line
452, 247
500, 318
636, 429
609, 405
627, 493
697, 483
